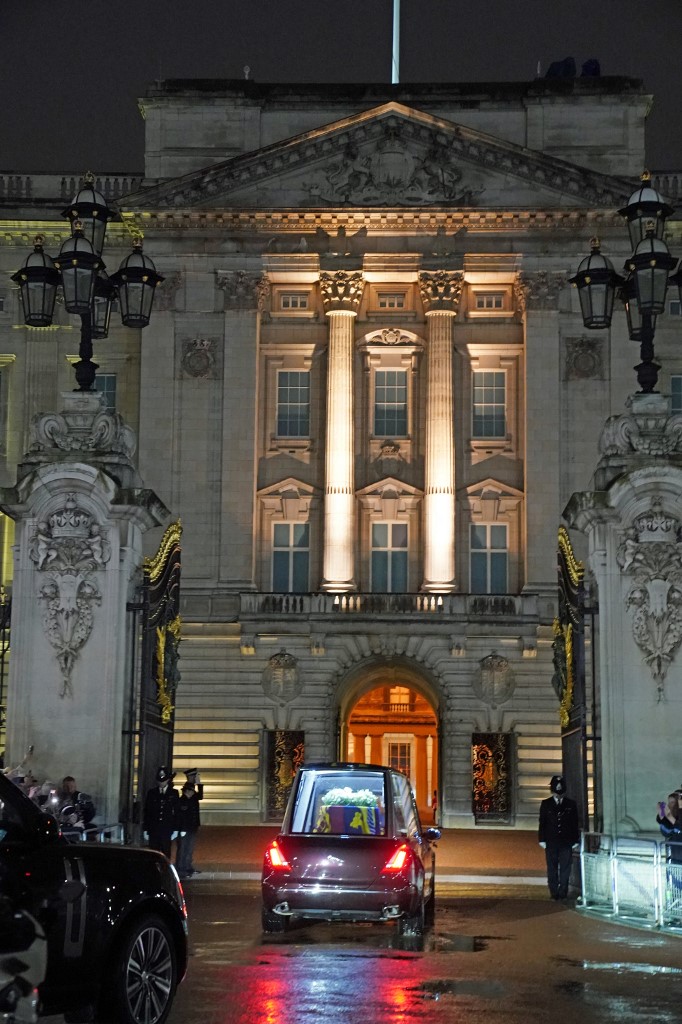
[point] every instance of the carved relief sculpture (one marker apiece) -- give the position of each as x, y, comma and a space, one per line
494, 681
281, 678
199, 358
651, 552
66, 550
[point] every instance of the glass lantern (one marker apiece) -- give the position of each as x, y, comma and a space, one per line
38, 280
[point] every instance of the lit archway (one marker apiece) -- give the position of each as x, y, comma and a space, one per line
390, 716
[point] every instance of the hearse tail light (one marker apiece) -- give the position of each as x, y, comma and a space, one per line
397, 861
275, 859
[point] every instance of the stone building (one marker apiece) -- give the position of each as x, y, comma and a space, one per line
367, 392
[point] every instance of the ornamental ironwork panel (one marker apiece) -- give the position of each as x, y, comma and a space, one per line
160, 673
568, 680
491, 777
284, 755
5, 620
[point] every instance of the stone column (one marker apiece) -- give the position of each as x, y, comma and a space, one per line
633, 521
80, 511
440, 292
538, 295
341, 294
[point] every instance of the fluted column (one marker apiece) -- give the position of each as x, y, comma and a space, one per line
440, 293
341, 294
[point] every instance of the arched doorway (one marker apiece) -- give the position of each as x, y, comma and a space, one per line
391, 719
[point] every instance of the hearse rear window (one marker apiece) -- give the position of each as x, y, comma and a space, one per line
340, 803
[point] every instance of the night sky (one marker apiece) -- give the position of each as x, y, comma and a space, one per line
72, 70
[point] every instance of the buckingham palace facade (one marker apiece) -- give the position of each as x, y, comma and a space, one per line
367, 392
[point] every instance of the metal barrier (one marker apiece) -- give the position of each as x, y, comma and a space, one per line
96, 834
635, 880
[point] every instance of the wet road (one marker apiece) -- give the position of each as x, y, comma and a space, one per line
495, 958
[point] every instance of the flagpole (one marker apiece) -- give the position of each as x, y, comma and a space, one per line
395, 57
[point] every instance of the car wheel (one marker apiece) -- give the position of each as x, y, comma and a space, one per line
412, 925
273, 923
145, 974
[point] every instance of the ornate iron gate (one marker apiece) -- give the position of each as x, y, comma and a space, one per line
491, 775
569, 674
284, 754
5, 620
156, 636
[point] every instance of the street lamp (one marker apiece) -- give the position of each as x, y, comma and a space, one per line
87, 289
643, 288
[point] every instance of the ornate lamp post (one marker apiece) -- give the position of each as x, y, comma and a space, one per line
643, 288
88, 290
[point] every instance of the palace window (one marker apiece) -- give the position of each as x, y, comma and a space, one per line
389, 558
676, 393
293, 403
290, 558
488, 558
489, 404
390, 403
293, 300
675, 307
105, 383
399, 757
391, 300
2, 303
489, 301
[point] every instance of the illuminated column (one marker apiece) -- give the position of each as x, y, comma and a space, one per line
440, 293
341, 294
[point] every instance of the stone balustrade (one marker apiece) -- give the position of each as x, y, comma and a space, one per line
359, 604
61, 188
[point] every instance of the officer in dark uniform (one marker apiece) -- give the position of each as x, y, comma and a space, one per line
160, 819
558, 833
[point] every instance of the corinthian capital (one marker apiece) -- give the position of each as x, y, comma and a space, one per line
241, 289
441, 289
341, 291
540, 290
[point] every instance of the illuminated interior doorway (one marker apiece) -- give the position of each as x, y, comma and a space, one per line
393, 723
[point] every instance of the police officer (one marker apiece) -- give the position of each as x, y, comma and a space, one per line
558, 833
160, 819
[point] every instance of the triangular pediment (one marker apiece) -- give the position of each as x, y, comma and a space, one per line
389, 486
391, 155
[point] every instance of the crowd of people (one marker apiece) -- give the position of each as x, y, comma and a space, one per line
74, 810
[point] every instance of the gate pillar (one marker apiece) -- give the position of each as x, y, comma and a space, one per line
80, 510
633, 521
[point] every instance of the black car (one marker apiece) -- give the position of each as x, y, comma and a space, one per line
351, 848
114, 917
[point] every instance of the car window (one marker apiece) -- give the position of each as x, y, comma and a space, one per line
340, 803
406, 816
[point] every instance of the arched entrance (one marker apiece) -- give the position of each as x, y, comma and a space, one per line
391, 718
